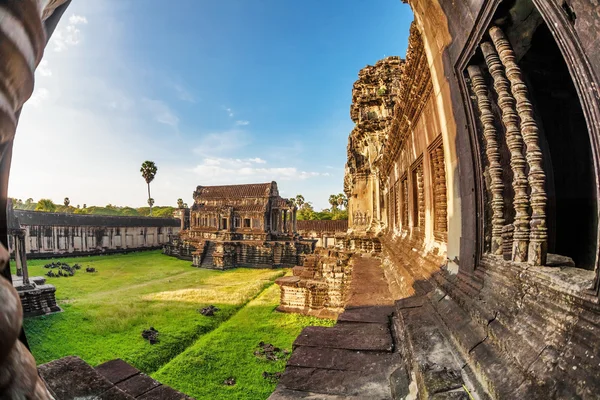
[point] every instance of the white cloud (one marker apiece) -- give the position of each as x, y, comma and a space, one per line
161, 112
70, 35
43, 68
38, 96
242, 123
229, 112
77, 19
231, 170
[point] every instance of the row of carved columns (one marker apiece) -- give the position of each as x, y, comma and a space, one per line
283, 220
529, 231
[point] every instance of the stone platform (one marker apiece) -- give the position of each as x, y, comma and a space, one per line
70, 378
37, 297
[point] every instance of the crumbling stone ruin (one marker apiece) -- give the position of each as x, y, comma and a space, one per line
240, 225
327, 233
480, 185
319, 287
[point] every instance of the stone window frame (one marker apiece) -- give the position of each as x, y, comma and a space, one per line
249, 224
439, 235
583, 77
415, 221
404, 202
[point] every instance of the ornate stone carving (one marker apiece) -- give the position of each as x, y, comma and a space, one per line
419, 199
510, 118
490, 137
440, 203
538, 239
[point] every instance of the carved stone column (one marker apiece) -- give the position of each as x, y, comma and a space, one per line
492, 152
538, 238
510, 119
22, 41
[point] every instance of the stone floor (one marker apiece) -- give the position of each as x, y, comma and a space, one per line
72, 378
354, 359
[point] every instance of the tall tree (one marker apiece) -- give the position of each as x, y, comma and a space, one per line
148, 171
342, 200
299, 200
67, 202
45, 205
180, 203
333, 200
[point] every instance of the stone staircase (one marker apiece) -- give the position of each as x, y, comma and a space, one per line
71, 378
207, 257
352, 360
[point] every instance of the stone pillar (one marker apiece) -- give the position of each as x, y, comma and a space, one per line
538, 238
492, 152
291, 222
510, 119
285, 213
21, 256
295, 226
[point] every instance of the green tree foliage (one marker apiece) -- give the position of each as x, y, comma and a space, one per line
45, 205
66, 202
180, 203
306, 211
148, 171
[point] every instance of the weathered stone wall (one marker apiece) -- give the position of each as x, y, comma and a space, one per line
320, 286
55, 234
324, 232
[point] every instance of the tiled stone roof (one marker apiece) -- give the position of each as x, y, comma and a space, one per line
242, 207
322, 226
236, 191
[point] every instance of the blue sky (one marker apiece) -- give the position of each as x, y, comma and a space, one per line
215, 92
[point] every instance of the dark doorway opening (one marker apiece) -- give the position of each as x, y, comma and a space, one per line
568, 158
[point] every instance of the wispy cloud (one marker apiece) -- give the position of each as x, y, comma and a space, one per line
233, 170
39, 95
70, 35
222, 143
183, 94
229, 111
43, 68
161, 112
242, 123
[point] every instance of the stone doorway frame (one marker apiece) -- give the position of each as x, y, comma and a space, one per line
583, 78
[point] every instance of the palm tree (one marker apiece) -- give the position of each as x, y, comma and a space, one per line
148, 171
67, 202
333, 200
45, 205
180, 203
299, 200
342, 200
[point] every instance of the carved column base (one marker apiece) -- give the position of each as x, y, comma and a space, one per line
497, 247
519, 250
538, 252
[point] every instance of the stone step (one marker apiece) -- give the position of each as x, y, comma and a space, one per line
350, 336
367, 314
136, 384
433, 360
372, 385
340, 359
71, 378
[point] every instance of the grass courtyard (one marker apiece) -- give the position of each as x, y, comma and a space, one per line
105, 313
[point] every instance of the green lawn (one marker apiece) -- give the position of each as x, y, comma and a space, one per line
105, 313
228, 351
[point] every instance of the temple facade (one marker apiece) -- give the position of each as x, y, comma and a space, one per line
473, 168
240, 225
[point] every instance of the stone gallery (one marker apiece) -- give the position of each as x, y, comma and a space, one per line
470, 266
240, 225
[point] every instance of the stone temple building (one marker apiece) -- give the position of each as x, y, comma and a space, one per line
473, 167
240, 225
470, 269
